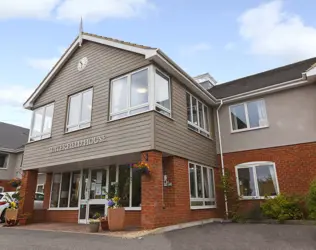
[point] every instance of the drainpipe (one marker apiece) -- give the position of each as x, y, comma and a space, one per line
221, 153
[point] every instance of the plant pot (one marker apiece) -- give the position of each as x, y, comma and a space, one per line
11, 214
94, 227
116, 218
104, 224
22, 221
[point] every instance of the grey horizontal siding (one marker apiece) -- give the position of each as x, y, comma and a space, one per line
127, 135
174, 137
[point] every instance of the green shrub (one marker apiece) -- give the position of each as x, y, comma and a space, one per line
311, 201
283, 208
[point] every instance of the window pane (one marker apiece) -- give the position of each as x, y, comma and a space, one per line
136, 189
55, 190
192, 181
86, 106
136, 111
119, 95
197, 203
206, 183
64, 193
40, 189
188, 107
139, 88
207, 124
246, 182
3, 161
201, 119
84, 186
112, 181
194, 111
124, 184
74, 109
238, 117
267, 182
162, 90
257, 114
37, 122
98, 183
48, 119
74, 192
199, 181
212, 184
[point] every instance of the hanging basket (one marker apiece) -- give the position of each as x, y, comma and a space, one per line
15, 182
142, 167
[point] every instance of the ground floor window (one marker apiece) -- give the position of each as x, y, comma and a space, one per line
1, 189
65, 190
257, 180
40, 188
202, 187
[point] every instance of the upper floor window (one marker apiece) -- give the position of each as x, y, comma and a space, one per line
79, 110
140, 91
3, 160
198, 115
202, 187
257, 180
41, 127
248, 115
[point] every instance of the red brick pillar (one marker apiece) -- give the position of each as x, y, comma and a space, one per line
47, 188
27, 191
152, 190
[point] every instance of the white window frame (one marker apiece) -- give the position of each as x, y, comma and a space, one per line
253, 165
42, 135
81, 124
202, 199
151, 104
232, 130
39, 185
1, 189
201, 130
6, 161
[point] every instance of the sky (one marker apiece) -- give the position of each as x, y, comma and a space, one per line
229, 39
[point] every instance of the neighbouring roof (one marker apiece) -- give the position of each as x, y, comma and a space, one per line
13, 137
264, 79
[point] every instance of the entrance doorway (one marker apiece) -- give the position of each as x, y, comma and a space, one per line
94, 190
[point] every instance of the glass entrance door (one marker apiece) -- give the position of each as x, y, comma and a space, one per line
94, 191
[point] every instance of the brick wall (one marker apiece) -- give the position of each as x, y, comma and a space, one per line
295, 166
7, 187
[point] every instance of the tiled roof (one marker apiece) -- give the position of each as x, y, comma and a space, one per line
12, 137
261, 80
119, 41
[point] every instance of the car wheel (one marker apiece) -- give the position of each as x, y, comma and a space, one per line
2, 218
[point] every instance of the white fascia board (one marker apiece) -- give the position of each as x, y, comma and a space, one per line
311, 72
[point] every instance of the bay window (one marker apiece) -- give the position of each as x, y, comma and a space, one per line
256, 180
42, 119
248, 115
197, 115
202, 186
79, 110
140, 91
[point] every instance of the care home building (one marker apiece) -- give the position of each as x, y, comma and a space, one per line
108, 104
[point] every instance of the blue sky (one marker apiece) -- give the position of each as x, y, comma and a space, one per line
229, 39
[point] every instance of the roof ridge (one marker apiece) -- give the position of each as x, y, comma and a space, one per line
268, 71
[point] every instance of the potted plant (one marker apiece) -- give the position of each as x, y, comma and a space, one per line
116, 215
23, 218
94, 223
11, 213
104, 223
142, 167
16, 182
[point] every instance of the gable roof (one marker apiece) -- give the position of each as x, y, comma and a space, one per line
12, 137
268, 78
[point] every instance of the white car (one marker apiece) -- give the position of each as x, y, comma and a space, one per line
38, 203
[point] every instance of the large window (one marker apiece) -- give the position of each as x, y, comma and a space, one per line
138, 92
79, 110
198, 115
3, 160
202, 187
257, 180
248, 115
41, 126
65, 190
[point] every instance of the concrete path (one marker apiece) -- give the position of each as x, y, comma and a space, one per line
212, 236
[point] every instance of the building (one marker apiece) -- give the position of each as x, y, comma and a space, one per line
108, 104
12, 141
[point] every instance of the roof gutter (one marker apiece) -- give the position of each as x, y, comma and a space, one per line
10, 150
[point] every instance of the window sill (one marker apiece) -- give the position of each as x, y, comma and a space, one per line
80, 129
203, 207
125, 117
210, 138
168, 117
4, 168
63, 208
247, 129
256, 198
29, 142
133, 208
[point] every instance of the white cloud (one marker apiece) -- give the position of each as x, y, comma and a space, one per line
194, 49
230, 46
45, 64
14, 95
92, 10
26, 9
272, 31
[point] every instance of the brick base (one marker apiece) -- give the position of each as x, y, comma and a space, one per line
7, 187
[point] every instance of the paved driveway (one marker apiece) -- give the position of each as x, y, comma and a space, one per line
212, 236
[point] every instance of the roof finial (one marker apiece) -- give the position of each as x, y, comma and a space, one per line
80, 32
